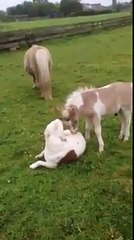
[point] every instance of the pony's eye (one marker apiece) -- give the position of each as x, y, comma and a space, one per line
66, 119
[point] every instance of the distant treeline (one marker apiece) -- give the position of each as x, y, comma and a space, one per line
44, 8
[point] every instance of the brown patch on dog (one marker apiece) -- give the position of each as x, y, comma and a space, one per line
69, 157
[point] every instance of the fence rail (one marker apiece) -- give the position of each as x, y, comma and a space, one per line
16, 39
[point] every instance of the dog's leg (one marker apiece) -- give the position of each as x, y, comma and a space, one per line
43, 164
55, 159
67, 132
39, 155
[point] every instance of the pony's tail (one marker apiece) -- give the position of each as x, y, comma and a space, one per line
43, 64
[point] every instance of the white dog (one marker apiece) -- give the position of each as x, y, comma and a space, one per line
61, 146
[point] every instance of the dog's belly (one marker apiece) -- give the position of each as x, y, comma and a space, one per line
77, 143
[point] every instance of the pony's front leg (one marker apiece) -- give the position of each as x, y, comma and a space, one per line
97, 124
88, 127
35, 84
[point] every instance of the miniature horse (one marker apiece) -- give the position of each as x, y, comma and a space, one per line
38, 63
94, 103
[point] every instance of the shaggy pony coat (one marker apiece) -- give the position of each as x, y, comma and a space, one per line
38, 63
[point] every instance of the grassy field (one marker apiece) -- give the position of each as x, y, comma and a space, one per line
55, 22
87, 200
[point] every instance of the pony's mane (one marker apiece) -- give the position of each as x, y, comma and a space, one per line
75, 94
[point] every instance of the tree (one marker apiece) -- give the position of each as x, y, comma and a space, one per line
70, 6
11, 11
2, 15
19, 9
35, 9
40, 1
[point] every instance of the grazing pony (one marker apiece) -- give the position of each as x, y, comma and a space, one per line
94, 103
38, 63
61, 146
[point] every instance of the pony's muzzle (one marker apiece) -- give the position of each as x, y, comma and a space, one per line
73, 130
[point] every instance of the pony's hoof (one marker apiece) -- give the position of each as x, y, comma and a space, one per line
87, 138
101, 149
125, 139
120, 136
46, 98
50, 98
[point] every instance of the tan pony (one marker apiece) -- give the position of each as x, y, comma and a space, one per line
38, 63
94, 103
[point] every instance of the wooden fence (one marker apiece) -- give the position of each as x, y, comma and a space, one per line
16, 39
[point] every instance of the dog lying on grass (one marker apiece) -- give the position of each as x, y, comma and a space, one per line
61, 146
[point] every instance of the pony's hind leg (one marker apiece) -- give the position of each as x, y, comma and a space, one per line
125, 117
127, 127
35, 81
123, 125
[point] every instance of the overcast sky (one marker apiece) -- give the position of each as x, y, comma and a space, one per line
7, 3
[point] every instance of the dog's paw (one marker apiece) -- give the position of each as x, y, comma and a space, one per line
33, 166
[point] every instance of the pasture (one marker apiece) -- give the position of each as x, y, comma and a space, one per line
87, 200
23, 25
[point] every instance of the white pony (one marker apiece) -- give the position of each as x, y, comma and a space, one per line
38, 63
61, 146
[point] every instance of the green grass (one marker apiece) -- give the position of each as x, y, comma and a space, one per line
87, 200
55, 22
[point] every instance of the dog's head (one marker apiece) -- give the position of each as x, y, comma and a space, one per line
54, 128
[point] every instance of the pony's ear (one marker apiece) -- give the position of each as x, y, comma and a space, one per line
59, 108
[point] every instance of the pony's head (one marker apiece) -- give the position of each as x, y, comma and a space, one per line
70, 117
54, 128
